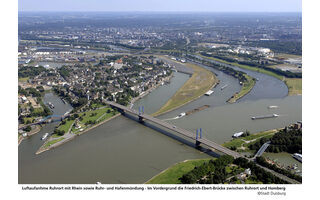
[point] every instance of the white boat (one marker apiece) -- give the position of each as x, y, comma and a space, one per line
272, 107
51, 105
236, 135
182, 114
297, 156
44, 136
224, 87
208, 93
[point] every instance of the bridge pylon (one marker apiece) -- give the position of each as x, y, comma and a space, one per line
141, 112
198, 136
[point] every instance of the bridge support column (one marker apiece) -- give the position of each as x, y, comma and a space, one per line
199, 131
121, 111
141, 119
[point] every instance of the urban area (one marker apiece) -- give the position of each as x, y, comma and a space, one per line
157, 98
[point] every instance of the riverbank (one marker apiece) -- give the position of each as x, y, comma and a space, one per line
241, 144
57, 142
245, 89
200, 82
32, 132
294, 84
172, 174
150, 89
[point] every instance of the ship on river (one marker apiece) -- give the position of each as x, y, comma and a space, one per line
224, 87
44, 136
272, 107
208, 93
265, 116
51, 105
297, 156
181, 114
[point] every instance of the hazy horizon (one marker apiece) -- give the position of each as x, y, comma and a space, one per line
160, 6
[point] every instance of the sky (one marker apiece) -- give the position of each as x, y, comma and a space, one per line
163, 5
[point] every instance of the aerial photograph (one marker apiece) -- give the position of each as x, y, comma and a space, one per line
159, 92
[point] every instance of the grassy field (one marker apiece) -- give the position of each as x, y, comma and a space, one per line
294, 85
96, 105
65, 127
172, 174
23, 79
251, 181
245, 89
93, 115
200, 82
26, 119
246, 67
242, 143
286, 56
96, 116
53, 142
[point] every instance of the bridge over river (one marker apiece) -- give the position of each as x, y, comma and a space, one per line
190, 135
48, 119
183, 132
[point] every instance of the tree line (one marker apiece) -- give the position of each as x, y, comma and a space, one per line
283, 141
287, 73
214, 172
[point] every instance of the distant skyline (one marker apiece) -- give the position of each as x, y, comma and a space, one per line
163, 5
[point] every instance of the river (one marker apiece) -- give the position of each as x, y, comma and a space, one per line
124, 151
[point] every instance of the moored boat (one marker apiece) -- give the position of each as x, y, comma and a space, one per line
44, 136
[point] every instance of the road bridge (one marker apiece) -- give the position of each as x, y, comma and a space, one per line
50, 118
198, 140
196, 137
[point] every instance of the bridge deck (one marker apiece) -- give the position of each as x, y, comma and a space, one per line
181, 131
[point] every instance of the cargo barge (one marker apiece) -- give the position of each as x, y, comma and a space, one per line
265, 116
197, 109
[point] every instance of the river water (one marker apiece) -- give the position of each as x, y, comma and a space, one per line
124, 151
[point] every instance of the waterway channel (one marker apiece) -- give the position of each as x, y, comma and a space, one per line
124, 151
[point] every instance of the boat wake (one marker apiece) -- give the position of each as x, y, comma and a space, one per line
177, 117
